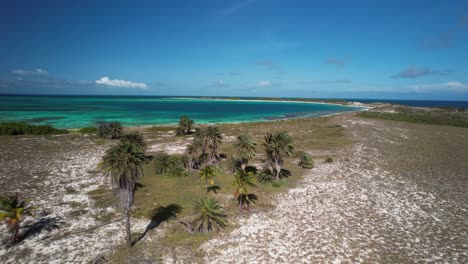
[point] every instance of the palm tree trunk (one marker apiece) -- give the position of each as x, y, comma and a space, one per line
127, 228
15, 235
277, 169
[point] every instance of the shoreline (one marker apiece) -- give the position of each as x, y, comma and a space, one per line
302, 101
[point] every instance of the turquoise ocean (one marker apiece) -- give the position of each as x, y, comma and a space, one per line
81, 111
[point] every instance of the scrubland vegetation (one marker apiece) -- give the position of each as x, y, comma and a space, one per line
447, 116
19, 128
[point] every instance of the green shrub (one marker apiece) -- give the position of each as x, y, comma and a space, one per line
298, 154
278, 184
88, 130
306, 162
21, 128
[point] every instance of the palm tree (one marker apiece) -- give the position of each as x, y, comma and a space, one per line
215, 138
245, 149
110, 130
209, 215
207, 174
234, 165
134, 138
201, 141
123, 163
185, 125
242, 183
11, 211
278, 146
193, 156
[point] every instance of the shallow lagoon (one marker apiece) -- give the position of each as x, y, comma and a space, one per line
81, 111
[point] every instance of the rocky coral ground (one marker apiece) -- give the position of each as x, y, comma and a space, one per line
369, 206
56, 174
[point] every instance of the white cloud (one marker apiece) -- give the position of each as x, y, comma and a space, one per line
121, 83
219, 84
453, 86
264, 83
37, 71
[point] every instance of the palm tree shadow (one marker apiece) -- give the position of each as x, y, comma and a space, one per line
159, 215
284, 173
252, 169
139, 186
38, 226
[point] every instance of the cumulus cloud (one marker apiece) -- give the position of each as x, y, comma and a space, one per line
37, 71
121, 83
415, 72
219, 84
453, 86
264, 84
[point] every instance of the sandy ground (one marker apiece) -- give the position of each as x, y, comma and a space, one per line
360, 209
56, 178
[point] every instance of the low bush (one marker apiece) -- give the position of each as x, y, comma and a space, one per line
21, 128
88, 130
429, 117
306, 161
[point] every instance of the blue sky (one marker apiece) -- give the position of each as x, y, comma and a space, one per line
327, 49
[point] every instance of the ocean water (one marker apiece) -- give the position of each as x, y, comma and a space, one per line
81, 111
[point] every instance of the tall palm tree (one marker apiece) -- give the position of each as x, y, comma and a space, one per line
193, 156
209, 215
245, 149
278, 146
11, 211
243, 182
201, 141
208, 173
123, 164
215, 138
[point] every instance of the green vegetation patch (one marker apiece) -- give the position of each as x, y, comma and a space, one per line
88, 130
21, 128
446, 117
